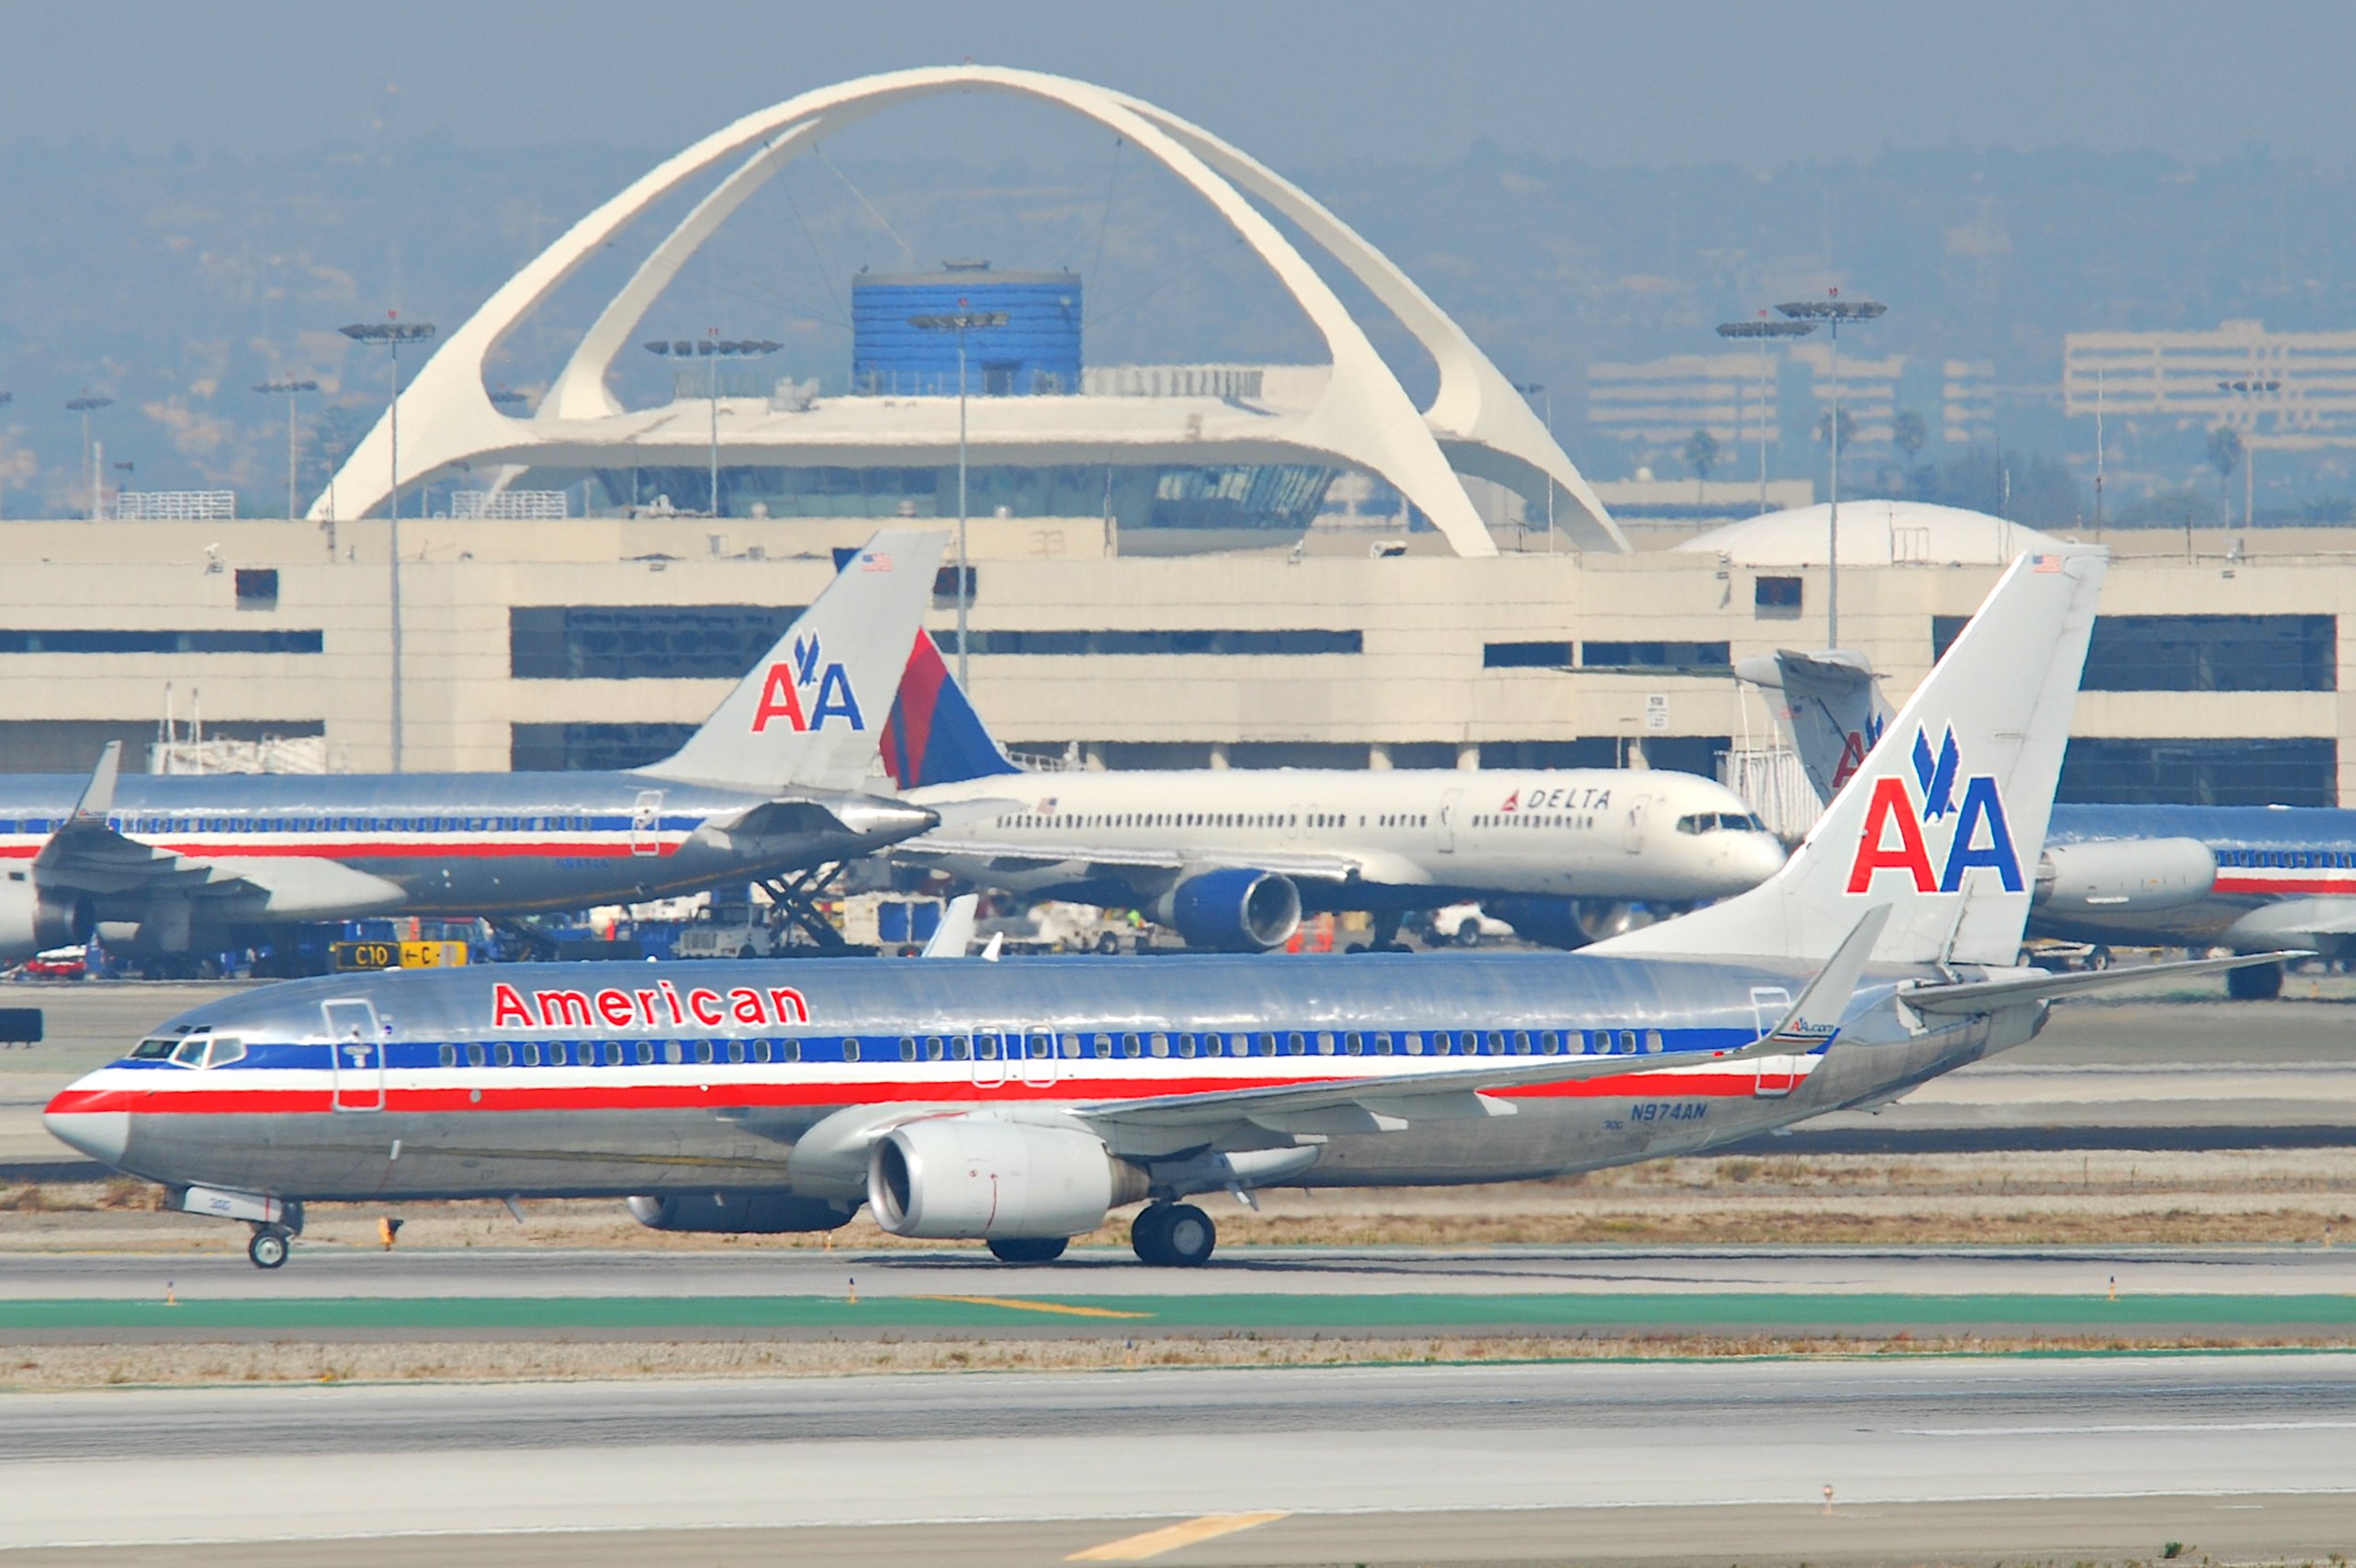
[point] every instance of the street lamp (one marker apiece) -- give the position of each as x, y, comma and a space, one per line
713, 347
1832, 311
1763, 329
84, 405
293, 389
2249, 448
961, 321
392, 333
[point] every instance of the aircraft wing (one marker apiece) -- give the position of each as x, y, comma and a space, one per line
1010, 855
1391, 1103
2290, 919
1981, 995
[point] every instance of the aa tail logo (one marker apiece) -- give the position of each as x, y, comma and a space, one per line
1893, 836
782, 688
1854, 746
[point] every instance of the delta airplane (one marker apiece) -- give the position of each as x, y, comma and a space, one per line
2244, 878
1230, 858
773, 782
1019, 1102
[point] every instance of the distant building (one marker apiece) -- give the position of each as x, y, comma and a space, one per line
1656, 404
2295, 382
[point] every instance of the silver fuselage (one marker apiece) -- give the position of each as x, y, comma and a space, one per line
629, 1087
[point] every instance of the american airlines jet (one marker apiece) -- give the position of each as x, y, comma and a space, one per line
2246, 877
773, 782
1019, 1102
1230, 858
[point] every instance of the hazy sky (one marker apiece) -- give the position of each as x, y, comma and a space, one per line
1303, 83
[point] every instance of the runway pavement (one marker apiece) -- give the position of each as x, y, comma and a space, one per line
2097, 1458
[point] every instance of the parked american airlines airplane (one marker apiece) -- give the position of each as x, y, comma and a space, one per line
772, 783
1230, 858
2246, 877
1019, 1102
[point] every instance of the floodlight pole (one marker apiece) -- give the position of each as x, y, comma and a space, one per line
2248, 390
293, 389
86, 405
961, 321
6, 399
1761, 329
1832, 311
1528, 389
392, 333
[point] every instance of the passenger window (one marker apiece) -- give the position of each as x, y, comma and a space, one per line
760, 1050
789, 1050
1521, 1041
1652, 1041
1627, 1042
474, 1056
907, 1049
671, 1052
987, 1048
1185, 1045
935, 1049
449, 1056
1071, 1047
502, 1054
1325, 1044
1382, 1044
1132, 1046
1414, 1044
1494, 1045
1353, 1043
1548, 1045
736, 1051
961, 1049
532, 1053
1159, 1044
1268, 1044
850, 1049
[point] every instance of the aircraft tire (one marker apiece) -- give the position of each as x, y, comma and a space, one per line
268, 1248
1468, 935
2259, 982
1147, 1237
1028, 1248
1188, 1236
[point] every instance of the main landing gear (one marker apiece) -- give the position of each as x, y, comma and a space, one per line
268, 1247
798, 897
1172, 1235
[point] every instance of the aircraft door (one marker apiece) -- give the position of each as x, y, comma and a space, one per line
357, 1051
1037, 1067
646, 823
1448, 804
1636, 836
1775, 1074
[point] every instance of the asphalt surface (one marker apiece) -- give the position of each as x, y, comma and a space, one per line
2101, 1456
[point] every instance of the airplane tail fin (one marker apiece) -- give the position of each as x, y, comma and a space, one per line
1945, 819
934, 736
808, 713
1831, 711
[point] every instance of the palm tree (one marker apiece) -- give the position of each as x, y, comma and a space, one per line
1701, 451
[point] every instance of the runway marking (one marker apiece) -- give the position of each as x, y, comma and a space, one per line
1153, 1543
1015, 1304
2127, 1427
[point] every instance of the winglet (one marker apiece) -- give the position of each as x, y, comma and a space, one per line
1816, 1017
97, 801
955, 932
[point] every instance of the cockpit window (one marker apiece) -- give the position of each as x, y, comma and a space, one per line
1719, 821
190, 1052
153, 1050
224, 1052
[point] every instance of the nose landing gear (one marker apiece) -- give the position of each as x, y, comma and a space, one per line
1172, 1235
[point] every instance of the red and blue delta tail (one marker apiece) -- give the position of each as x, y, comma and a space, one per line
934, 737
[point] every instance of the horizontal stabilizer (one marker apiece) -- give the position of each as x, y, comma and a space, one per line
955, 933
1986, 996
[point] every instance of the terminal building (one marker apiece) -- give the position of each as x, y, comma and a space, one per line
1160, 574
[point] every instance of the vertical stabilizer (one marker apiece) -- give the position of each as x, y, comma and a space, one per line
1829, 709
1945, 819
934, 736
809, 713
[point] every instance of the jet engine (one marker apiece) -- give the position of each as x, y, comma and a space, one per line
1561, 922
32, 920
1233, 910
2123, 876
750, 1211
972, 1178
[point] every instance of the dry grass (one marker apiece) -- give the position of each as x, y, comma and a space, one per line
2257, 1196
35, 1367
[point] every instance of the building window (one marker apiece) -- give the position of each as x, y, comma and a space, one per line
1692, 657
2304, 772
60, 640
1525, 656
1775, 598
627, 642
594, 748
1097, 643
257, 588
2199, 653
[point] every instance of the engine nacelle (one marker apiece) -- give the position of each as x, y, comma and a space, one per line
1234, 911
754, 1211
1560, 922
2123, 875
976, 1179
33, 921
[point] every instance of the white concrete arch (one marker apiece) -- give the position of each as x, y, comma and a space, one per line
1364, 416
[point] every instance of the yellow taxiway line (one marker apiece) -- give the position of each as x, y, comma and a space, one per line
1153, 1543
1016, 1304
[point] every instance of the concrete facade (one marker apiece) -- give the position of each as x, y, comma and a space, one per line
1421, 691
